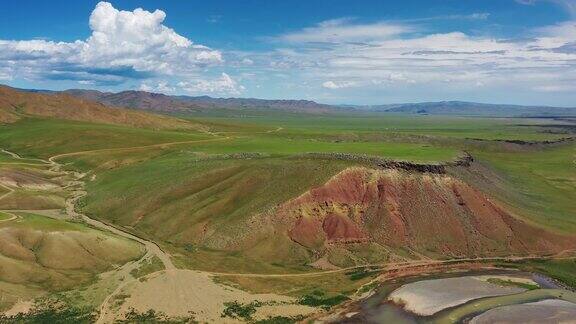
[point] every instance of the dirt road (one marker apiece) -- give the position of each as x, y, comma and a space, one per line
11, 218
10, 191
52, 159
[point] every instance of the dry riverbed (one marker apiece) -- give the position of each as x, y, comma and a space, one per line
187, 293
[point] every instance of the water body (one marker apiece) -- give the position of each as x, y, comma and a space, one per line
379, 309
376, 309
428, 297
544, 311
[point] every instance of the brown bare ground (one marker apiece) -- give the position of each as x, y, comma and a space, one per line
14, 103
179, 293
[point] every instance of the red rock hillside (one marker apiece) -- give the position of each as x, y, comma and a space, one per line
436, 215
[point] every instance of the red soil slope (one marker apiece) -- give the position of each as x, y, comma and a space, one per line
432, 214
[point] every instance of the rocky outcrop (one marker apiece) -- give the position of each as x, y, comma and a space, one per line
563, 140
465, 159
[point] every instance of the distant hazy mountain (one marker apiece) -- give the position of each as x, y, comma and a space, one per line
15, 103
174, 104
186, 104
461, 108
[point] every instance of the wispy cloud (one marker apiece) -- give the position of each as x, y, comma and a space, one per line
568, 5
213, 19
223, 84
472, 16
389, 55
344, 30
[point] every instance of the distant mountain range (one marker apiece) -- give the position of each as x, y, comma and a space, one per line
181, 104
162, 103
462, 108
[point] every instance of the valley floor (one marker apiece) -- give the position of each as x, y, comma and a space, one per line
182, 268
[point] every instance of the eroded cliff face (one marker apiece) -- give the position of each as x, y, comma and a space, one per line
428, 213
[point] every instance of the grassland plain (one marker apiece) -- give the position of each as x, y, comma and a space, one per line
205, 192
206, 197
545, 180
355, 126
38, 137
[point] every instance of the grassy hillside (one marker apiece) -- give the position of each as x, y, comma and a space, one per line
15, 104
42, 250
201, 201
207, 196
545, 181
47, 255
32, 187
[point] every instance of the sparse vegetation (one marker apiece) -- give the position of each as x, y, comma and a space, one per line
330, 284
238, 310
65, 254
319, 299
561, 270
50, 311
362, 273
368, 287
512, 283
4, 216
280, 320
149, 266
153, 317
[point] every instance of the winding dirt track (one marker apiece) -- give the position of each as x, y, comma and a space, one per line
135, 148
153, 249
11, 218
10, 191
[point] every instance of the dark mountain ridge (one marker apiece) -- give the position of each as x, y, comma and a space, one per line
175, 104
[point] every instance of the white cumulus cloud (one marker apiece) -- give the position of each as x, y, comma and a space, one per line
123, 45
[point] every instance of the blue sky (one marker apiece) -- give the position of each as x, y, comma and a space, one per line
366, 52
